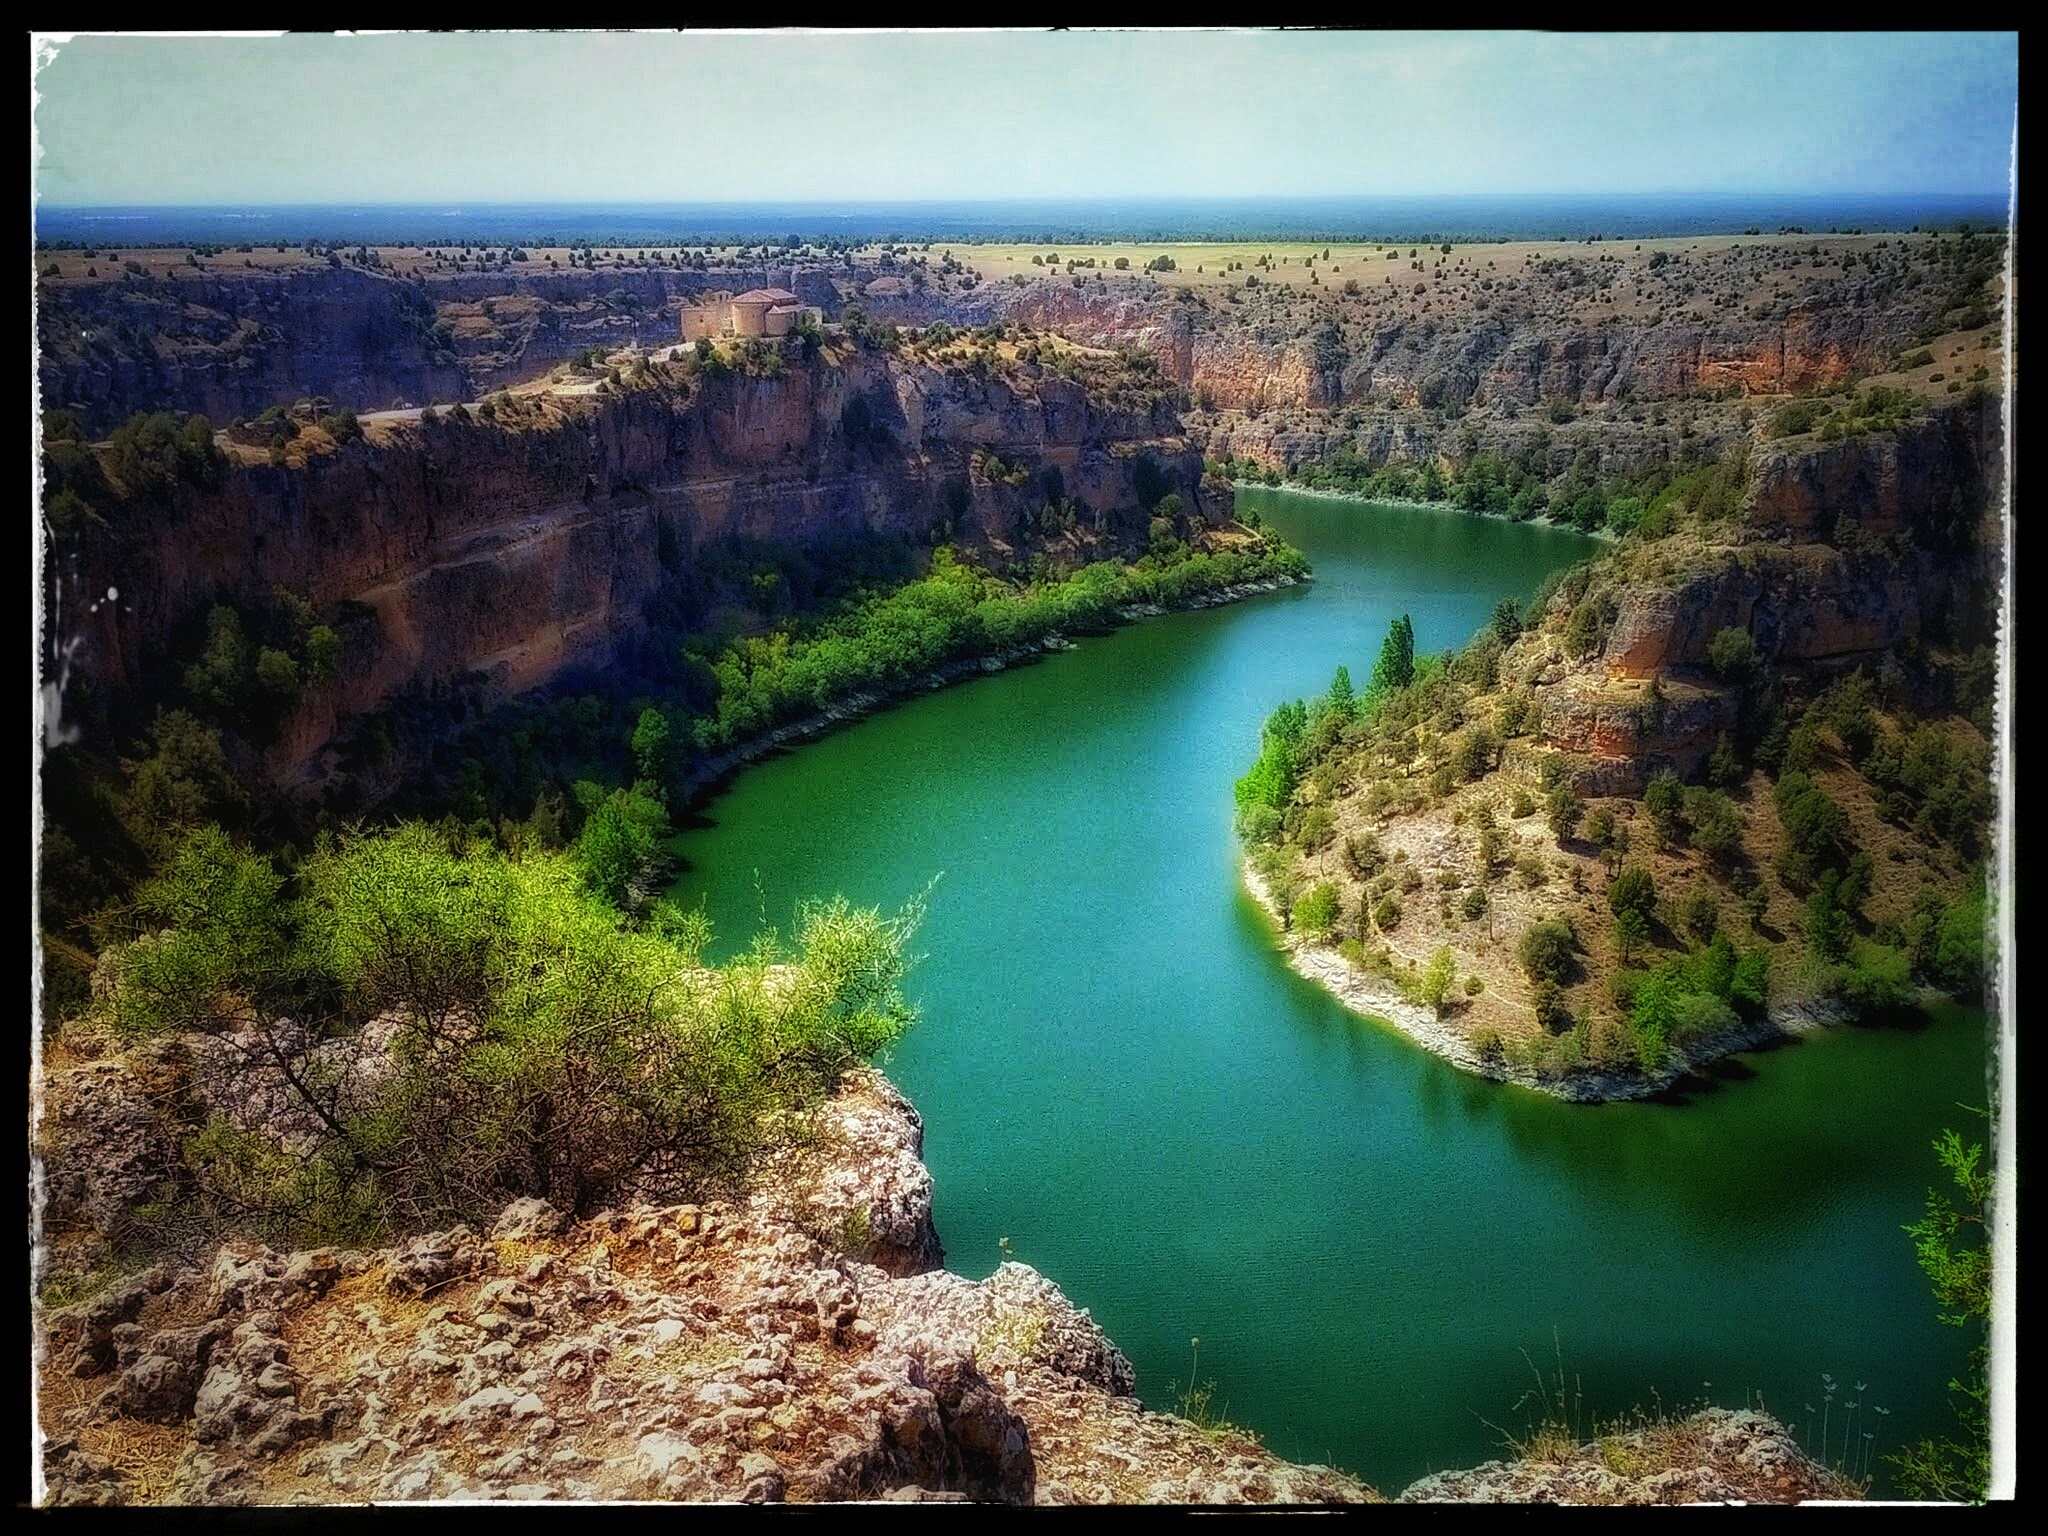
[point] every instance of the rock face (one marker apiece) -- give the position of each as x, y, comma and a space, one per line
1818, 578
230, 343
1885, 482
469, 562
683, 1352
1546, 346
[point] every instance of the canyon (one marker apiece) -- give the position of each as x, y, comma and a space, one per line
799, 1341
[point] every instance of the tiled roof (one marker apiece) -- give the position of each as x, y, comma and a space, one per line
766, 296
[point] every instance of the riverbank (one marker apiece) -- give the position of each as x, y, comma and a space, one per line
857, 705
1587, 1085
1540, 520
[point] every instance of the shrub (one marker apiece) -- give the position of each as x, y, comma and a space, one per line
1791, 420
593, 1062
1600, 825
1258, 824
1586, 628
1545, 949
1386, 913
153, 452
1662, 798
1364, 855
1699, 915
1522, 803
1828, 922
1318, 826
1631, 932
1695, 1014
1317, 912
1433, 987
1877, 976
1732, 655
1546, 1001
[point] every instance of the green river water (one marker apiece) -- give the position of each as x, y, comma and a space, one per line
1119, 1073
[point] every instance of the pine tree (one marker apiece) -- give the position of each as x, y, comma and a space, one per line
1396, 666
1343, 700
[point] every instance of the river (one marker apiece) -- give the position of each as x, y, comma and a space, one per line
1120, 1075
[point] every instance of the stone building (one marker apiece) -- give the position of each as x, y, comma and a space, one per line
757, 312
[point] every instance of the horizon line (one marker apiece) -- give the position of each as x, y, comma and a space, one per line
2000, 193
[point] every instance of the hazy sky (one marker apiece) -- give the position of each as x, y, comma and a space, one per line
811, 116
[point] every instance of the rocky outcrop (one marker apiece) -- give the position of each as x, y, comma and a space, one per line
767, 1350
1716, 1456
231, 341
1939, 467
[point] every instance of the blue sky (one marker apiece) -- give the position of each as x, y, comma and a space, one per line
593, 117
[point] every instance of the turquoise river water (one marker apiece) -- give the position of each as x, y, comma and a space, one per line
1119, 1073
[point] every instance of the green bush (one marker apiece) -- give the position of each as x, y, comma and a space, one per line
1546, 948
1318, 826
1318, 911
1791, 420
541, 1048
1732, 655
1364, 855
153, 452
621, 840
1563, 809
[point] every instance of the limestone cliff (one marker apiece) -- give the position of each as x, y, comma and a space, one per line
467, 560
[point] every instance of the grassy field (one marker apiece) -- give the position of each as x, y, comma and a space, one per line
1209, 264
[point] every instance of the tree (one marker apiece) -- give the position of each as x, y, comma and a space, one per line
1828, 923
1633, 890
1662, 798
1631, 932
1699, 914
1600, 825
1317, 912
1434, 985
1951, 1243
1343, 701
652, 738
1507, 619
619, 842
1396, 665
1545, 949
278, 674
1563, 808
323, 654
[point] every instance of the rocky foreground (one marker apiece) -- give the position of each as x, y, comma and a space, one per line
800, 1345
